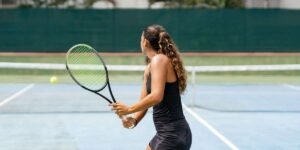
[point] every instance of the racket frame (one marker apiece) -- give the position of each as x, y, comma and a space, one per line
107, 83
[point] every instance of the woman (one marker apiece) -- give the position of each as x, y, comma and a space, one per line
164, 81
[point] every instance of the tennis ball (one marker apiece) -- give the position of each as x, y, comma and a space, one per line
53, 80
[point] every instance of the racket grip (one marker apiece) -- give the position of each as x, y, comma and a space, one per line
124, 118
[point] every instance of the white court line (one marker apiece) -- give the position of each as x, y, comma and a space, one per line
210, 128
291, 87
28, 87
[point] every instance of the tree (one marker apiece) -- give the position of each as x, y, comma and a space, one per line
235, 4
202, 3
57, 3
89, 3
42, 3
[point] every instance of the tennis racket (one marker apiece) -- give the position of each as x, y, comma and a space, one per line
88, 70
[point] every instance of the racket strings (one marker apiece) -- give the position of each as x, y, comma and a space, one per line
86, 67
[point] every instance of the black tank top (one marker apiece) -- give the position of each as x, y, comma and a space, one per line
170, 108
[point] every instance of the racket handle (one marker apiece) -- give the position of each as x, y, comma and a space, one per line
133, 124
124, 118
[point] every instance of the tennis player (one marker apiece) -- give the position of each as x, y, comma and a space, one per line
164, 81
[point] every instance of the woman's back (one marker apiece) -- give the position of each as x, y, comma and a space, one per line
169, 109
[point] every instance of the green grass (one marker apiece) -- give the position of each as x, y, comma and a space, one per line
137, 77
241, 60
188, 60
249, 79
65, 78
43, 76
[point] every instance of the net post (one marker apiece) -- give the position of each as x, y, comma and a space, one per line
193, 86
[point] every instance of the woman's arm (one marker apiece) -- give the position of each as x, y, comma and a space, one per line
140, 114
158, 69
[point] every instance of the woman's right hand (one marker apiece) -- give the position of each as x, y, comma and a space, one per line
129, 122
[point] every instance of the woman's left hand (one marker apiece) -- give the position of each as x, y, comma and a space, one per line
120, 109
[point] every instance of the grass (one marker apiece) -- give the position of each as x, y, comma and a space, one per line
65, 78
188, 60
137, 77
20, 76
250, 79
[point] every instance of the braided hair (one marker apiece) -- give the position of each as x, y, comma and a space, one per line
161, 41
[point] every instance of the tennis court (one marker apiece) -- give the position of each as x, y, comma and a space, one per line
223, 113
242, 60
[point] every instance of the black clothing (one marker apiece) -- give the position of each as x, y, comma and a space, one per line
173, 131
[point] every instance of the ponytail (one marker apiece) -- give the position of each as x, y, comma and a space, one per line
168, 48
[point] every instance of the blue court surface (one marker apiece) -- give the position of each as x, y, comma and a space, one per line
66, 117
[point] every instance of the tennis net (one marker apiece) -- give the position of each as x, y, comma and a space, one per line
246, 88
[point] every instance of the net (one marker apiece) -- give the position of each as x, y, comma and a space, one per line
245, 89
252, 88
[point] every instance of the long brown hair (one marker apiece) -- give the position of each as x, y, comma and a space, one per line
161, 41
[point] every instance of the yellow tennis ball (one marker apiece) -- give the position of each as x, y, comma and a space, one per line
53, 80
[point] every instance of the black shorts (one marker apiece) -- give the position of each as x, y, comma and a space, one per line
174, 136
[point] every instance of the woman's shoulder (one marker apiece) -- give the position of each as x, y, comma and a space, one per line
160, 56
160, 59
156, 60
